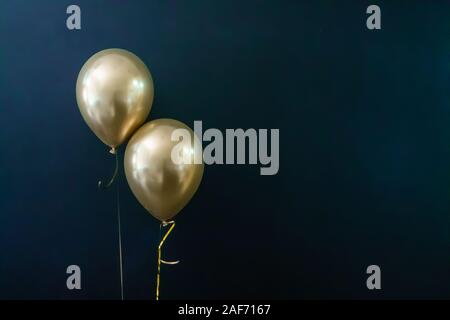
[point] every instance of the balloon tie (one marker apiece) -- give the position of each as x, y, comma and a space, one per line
163, 224
101, 183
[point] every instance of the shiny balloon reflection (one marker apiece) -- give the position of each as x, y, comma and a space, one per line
162, 186
114, 94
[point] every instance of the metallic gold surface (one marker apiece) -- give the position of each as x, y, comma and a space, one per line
114, 94
161, 186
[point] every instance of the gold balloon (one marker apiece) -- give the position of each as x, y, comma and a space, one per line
163, 186
114, 94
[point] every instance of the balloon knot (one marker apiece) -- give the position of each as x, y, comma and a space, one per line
166, 223
113, 150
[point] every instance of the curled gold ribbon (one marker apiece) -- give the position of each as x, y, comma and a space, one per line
163, 224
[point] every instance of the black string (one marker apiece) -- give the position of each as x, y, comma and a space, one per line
120, 241
101, 183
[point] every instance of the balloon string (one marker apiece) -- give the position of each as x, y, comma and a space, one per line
120, 242
158, 281
101, 183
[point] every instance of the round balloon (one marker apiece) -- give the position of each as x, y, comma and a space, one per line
114, 94
163, 166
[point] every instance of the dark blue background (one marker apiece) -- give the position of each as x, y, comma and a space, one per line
364, 119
